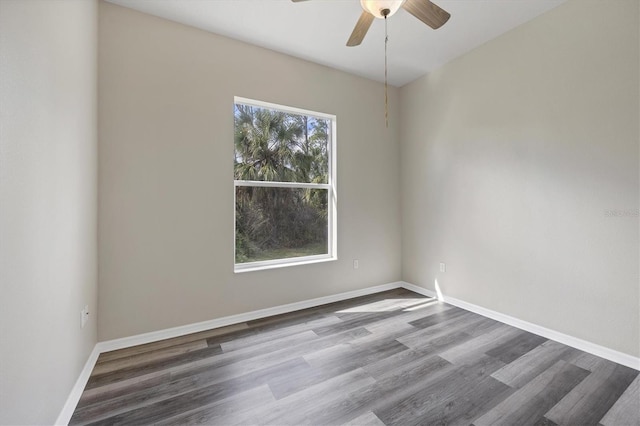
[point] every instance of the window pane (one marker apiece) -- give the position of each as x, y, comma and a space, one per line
280, 223
277, 146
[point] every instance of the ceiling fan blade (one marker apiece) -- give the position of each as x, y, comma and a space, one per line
361, 28
429, 13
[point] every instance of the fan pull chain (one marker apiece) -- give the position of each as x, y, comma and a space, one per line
386, 99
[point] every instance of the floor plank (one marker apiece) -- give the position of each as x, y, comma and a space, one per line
147, 357
149, 347
625, 410
528, 366
513, 349
367, 419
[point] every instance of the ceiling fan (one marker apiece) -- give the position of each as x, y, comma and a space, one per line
426, 11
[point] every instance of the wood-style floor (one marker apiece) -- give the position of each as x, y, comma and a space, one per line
393, 358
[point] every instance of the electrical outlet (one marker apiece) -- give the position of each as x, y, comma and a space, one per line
443, 267
84, 316
355, 264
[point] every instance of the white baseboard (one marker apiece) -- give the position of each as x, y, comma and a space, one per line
76, 392
154, 336
583, 345
140, 339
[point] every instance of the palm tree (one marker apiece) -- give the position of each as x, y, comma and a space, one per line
277, 146
265, 144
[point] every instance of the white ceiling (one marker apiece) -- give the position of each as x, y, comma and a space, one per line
318, 30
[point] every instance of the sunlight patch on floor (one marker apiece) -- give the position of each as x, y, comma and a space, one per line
422, 305
386, 305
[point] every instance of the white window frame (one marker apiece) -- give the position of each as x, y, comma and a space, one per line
330, 187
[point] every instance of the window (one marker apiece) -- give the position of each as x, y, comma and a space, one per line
284, 178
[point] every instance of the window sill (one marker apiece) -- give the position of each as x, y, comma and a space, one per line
270, 264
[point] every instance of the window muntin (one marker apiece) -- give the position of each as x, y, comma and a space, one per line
284, 185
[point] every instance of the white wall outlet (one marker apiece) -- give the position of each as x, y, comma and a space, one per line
443, 267
84, 316
355, 264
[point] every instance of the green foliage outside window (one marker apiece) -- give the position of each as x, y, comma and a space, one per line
276, 146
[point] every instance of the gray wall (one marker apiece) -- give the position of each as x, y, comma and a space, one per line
512, 156
48, 171
166, 175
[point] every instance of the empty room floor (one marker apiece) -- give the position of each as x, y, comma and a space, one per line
393, 358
